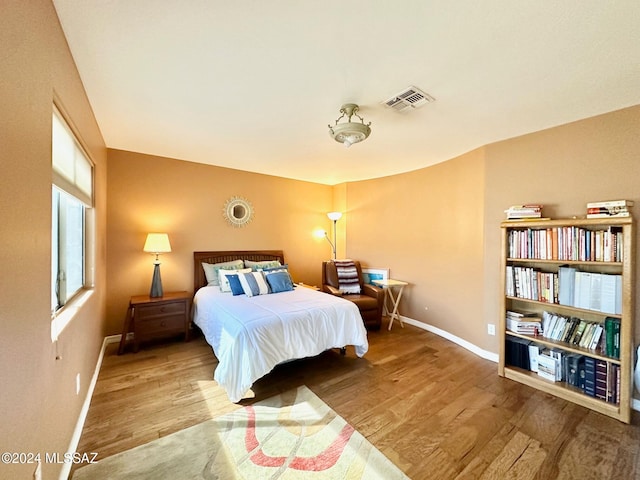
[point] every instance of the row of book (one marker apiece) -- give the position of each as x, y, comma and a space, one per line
600, 292
523, 212
609, 209
532, 284
594, 377
600, 337
567, 243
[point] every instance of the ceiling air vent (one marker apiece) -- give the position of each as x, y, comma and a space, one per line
409, 98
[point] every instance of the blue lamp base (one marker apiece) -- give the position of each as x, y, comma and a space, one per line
156, 283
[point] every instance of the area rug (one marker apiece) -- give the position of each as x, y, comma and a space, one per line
293, 436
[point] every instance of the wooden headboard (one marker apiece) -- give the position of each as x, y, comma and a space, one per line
199, 279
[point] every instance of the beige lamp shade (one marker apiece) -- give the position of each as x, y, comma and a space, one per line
157, 243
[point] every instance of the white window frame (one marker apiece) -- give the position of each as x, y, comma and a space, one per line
72, 178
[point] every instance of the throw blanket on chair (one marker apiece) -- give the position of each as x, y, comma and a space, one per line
348, 280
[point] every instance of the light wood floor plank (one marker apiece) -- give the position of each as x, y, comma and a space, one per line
436, 410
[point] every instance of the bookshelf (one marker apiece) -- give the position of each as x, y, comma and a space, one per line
588, 253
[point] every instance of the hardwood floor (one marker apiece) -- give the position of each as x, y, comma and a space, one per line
433, 408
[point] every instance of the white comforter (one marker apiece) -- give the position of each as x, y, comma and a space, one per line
251, 335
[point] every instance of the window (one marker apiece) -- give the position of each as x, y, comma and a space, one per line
72, 213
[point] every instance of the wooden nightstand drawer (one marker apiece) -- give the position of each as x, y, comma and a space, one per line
159, 325
146, 311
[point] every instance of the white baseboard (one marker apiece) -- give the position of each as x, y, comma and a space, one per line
457, 340
77, 432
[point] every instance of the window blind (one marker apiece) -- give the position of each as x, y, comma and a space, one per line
72, 170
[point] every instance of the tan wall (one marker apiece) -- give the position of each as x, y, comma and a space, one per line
38, 397
426, 226
562, 168
184, 199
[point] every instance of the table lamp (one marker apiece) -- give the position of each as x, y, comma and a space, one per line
157, 243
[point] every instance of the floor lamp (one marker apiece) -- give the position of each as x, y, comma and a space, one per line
335, 216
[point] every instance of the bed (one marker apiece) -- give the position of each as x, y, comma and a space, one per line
250, 335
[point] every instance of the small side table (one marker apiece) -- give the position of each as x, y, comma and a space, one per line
156, 317
395, 300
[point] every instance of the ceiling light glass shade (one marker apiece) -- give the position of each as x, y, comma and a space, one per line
334, 215
349, 132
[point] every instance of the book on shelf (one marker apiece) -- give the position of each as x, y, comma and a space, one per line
534, 352
517, 212
590, 376
527, 219
572, 368
601, 379
612, 337
607, 210
566, 285
548, 366
517, 352
609, 215
611, 203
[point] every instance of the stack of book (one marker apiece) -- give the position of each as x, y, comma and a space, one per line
609, 209
524, 212
524, 323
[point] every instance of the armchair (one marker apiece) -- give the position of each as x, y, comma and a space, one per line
369, 301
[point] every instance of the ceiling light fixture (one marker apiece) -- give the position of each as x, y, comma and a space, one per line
349, 132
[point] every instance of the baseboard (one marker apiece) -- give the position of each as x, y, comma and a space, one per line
457, 340
77, 432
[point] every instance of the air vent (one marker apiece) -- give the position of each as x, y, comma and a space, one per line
409, 98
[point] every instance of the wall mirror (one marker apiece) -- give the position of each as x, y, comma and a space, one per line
238, 211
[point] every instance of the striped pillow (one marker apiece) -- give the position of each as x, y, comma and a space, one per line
253, 283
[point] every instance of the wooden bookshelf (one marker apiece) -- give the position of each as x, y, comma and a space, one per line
623, 265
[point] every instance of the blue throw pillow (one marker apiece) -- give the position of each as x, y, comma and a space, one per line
236, 286
279, 281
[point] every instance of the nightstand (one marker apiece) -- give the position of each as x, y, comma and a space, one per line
152, 318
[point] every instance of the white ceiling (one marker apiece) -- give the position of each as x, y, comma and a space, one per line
253, 84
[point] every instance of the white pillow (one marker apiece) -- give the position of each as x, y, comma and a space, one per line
224, 281
211, 269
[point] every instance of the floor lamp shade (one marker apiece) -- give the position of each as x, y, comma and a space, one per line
157, 243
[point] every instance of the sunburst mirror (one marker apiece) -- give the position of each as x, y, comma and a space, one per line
238, 211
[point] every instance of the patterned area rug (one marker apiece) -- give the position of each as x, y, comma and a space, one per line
291, 436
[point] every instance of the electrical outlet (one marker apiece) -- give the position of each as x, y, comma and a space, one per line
491, 329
